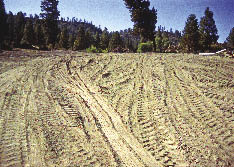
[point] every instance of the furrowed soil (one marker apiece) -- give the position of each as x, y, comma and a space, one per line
77, 109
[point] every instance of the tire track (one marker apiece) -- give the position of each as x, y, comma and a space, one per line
153, 110
99, 72
211, 122
154, 126
13, 147
94, 156
124, 139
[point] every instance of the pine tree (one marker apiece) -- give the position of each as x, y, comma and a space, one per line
10, 33
28, 37
97, 40
129, 45
71, 41
89, 40
104, 39
208, 30
79, 43
19, 28
158, 40
190, 39
115, 41
3, 23
144, 19
63, 41
230, 39
50, 16
177, 39
165, 40
177, 34
38, 33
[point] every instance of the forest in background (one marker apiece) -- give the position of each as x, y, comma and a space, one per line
49, 31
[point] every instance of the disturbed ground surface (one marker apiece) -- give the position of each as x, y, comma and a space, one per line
77, 109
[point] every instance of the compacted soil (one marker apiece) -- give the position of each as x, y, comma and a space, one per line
77, 109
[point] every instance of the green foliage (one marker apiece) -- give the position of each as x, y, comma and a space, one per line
50, 16
79, 43
38, 33
3, 23
71, 41
130, 40
230, 39
49, 33
10, 33
144, 19
93, 49
162, 41
19, 28
190, 39
50, 46
115, 41
104, 51
104, 39
97, 40
89, 39
28, 36
63, 41
129, 45
208, 31
165, 41
145, 47
159, 41
216, 47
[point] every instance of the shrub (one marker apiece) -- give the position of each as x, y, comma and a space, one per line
93, 49
216, 47
50, 47
104, 51
145, 47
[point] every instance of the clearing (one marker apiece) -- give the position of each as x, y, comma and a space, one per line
78, 109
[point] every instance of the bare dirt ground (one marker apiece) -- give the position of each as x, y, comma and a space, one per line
77, 109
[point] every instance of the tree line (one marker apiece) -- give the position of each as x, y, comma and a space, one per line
200, 37
47, 31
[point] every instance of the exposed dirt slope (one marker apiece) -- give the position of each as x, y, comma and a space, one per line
116, 110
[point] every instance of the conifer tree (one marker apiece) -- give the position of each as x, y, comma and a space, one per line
10, 32
208, 30
97, 40
28, 35
144, 19
177, 34
230, 39
19, 28
89, 40
158, 40
71, 41
38, 33
128, 44
63, 41
115, 41
104, 39
79, 43
190, 39
3, 23
165, 40
50, 16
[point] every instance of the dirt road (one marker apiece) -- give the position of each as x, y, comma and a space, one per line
77, 109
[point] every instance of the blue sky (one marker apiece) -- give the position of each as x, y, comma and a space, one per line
114, 15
